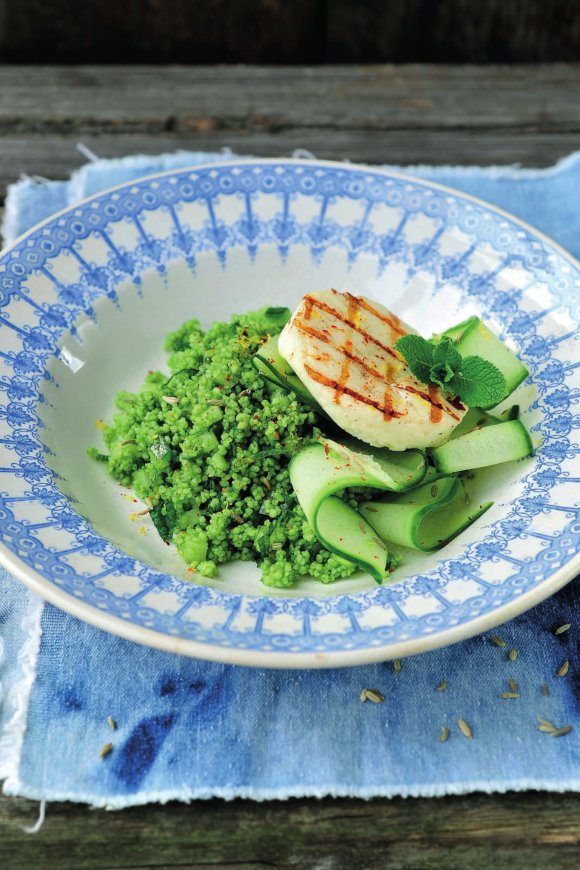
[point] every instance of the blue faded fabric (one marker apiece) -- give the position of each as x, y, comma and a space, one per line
190, 729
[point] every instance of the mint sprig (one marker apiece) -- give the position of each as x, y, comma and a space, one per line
476, 381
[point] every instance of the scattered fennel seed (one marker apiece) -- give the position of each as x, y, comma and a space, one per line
237, 518
444, 735
244, 393
510, 695
563, 628
372, 510
397, 665
513, 685
548, 727
563, 669
171, 400
465, 729
215, 402
434, 490
498, 641
372, 695
545, 689
513, 654
276, 545
111, 723
106, 750
442, 686
267, 483
559, 732
142, 513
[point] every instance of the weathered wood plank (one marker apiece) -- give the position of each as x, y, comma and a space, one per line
487, 31
304, 31
395, 115
520, 831
271, 99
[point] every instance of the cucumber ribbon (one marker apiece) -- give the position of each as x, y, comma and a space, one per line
423, 505
326, 467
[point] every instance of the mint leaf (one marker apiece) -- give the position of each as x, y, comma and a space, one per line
479, 383
418, 353
446, 362
445, 353
441, 374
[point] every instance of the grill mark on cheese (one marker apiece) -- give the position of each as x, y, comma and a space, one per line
321, 378
436, 412
347, 351
334, 313
345, 367
344, 372
392, 321
428, 398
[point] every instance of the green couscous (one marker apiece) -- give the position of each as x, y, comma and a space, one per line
207, 448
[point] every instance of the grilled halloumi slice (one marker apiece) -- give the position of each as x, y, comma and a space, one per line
342, 347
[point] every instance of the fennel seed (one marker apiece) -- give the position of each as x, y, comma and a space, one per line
111, 723
267, 483
171, 400
513, 685
465, 729
559, 732
510, 695
513, 654
444, 735
397, 665
442, 686
106, 750
563, 669
498, 641
563, 628
545, 689
372, 695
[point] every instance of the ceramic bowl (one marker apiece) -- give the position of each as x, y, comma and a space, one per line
87, 299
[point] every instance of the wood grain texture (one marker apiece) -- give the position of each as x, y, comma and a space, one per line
275, 31
523, 832
163, 31
384, 114
461, 31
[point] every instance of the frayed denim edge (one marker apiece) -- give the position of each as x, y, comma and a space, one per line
12, 736
420, 790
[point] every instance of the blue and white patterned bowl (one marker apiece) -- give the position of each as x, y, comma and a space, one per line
87, 298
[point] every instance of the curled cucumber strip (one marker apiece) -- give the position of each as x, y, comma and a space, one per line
324, 468
426, 518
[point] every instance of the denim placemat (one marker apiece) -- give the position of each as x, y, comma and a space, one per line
189, 729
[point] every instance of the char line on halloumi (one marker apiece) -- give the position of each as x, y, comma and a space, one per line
342, 347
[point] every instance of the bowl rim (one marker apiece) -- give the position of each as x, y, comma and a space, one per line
273, 659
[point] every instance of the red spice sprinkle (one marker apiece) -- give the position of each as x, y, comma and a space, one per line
327, 448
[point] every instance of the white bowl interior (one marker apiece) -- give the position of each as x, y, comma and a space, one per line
125, 339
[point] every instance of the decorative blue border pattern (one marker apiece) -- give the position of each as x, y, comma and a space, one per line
24, 368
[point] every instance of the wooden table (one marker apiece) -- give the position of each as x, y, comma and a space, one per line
412, 114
